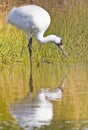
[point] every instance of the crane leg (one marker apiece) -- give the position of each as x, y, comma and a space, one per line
30, 53
30, 49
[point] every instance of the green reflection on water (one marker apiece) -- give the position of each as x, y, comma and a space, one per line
69, 113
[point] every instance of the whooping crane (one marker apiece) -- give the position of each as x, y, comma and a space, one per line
36, 20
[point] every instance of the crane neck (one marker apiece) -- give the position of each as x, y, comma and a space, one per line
49, 38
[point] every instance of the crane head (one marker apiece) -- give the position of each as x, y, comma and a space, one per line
60, 45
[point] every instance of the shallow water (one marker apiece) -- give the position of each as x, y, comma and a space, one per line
51, 97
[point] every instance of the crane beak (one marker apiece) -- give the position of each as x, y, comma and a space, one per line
60, 45
62, 49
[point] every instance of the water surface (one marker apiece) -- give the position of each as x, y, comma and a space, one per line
52, 96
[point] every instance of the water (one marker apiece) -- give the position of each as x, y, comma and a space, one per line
51, 97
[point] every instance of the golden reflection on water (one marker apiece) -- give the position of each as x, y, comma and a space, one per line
15, 86
74, 105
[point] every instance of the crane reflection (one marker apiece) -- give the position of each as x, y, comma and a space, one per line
34, 113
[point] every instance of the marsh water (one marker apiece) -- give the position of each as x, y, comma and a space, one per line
50, 97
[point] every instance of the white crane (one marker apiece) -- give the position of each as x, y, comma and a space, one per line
36, 20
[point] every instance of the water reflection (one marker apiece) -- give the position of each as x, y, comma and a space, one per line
36, 112
67, 113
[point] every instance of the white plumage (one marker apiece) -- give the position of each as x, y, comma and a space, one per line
36, 20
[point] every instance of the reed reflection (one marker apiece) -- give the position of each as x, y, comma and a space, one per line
36, 112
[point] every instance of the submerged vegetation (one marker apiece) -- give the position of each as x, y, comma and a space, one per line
69, 20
